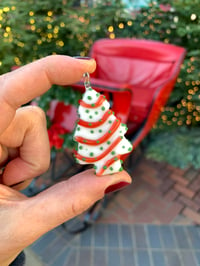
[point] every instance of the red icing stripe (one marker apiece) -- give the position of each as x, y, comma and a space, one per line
95, 159
98, 103
104, 138
95, 124
107, 164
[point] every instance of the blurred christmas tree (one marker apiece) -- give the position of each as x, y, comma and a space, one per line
32, 29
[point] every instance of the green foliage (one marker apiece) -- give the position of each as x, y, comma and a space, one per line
180, 147
33, 29
179, 25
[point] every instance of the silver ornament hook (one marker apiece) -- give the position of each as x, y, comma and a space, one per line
86, 78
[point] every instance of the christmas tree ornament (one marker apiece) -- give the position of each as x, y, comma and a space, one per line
99, 134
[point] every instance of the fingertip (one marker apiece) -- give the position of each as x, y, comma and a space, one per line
88, 63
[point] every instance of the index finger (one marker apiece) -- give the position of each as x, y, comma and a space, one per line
26, 83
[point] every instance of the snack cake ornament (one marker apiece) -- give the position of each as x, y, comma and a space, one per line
99, 134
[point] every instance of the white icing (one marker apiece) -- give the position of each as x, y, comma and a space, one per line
94, 114
92, 151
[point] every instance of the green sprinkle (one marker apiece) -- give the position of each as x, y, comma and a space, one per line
123, 147
104, 96
90, 116
90, 124
103, 108
96, 113
100, 130
78, 128
92, 131
109, 112
104, 167
90, 89
113, 152
108, 142
95, 167
89, 98
115, 158
93, 104
110, 121
111, 168
80, 147
101, 148
109, 131
121, 161
91, 154
87, 111
100, 120
83, 159
85, 141
97, 141
130, 149
120, 169
97, 94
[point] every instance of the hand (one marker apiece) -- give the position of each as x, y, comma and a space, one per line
25, 153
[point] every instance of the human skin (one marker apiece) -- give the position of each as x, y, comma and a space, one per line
25, 154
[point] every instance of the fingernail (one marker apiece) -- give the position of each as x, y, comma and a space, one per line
83, 57
16, 184
116, 187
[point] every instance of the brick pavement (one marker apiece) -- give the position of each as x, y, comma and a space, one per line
153, 222
159, 194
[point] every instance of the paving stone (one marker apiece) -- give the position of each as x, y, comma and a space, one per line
190, 174
140, 236
195, 185
188, 258
99, 257
54, 248
158, 258
194, 236
166, 216
171, 195
72, 258
185, 191
100, 235
86, 237
181, 237
154, 236
61, 258
164, 174
167, 237
126, 236
188, 202
151, 179
143, 258
166, 185
197, 256
113, 235
179, 179
114, 258
173, 258
85, 257
40, 245
128, 258
194, 216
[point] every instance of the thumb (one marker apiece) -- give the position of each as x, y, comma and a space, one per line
66, 200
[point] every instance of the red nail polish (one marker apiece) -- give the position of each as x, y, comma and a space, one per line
116, 187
